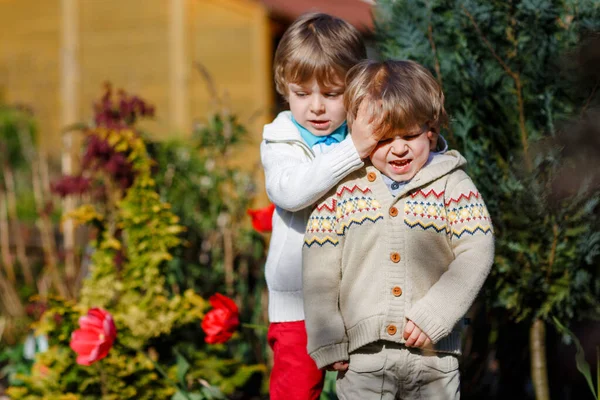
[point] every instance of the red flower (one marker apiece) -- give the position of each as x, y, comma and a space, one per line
220, 323
95, 336
262, 219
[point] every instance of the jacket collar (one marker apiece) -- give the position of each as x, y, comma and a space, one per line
440, 165
336, 136
282, 128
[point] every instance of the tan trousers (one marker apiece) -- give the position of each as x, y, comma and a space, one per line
390, 371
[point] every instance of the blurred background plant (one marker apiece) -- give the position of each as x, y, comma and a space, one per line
156, 225
523, 95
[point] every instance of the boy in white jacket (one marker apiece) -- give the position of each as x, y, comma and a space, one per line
305, 152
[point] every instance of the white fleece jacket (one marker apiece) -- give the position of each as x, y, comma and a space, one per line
296, 176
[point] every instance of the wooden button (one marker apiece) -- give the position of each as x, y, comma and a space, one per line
397, 291
371, 176
393, 211
395, 257
391, 330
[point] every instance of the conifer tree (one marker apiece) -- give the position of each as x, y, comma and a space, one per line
514, 116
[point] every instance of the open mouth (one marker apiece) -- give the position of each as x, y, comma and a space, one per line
320, 124
400, 165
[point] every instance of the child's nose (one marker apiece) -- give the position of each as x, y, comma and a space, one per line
399, 146
317, 105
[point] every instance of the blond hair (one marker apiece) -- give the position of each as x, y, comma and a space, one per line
399, 94
318, 46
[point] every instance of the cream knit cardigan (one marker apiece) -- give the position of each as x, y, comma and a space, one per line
372, 261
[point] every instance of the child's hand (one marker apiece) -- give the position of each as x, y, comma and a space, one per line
415, 337
338, 366
362, 133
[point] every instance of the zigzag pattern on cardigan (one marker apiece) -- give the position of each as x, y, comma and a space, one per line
346, 224
431, 225
321, 241
464, 214
472, 230
352, 205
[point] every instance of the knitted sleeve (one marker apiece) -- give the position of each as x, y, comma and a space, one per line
293, 183
472, 241
321, 260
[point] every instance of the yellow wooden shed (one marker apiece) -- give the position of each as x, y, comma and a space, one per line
56, 54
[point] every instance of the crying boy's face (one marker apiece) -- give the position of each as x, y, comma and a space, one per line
402, 153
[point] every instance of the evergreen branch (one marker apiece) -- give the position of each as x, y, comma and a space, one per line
552, 251
522, 127
506, 68
515, 76
438, 69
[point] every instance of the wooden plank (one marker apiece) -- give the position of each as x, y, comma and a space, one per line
178, 67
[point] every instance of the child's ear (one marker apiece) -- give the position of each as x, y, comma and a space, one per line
432, 135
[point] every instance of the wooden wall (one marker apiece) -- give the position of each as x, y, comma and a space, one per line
56, 54
29, 60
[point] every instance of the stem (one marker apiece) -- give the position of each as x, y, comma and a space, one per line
228, 260
438, 69
157, 366
9, 299
68, 206
103, 383
518, 85
46, 230
164, 374
597, 371
254, 326
589, 99
43, 222
552, 251
539, 371
11, 196
5, 239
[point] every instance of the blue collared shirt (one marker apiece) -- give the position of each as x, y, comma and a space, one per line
311, 140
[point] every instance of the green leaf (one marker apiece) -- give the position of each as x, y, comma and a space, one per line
183, 366
582, 364
187, 396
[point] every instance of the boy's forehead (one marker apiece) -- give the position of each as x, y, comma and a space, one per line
391, 132
313, 82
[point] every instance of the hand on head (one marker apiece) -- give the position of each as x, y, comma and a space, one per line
362, 133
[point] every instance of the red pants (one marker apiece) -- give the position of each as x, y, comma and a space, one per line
295, 375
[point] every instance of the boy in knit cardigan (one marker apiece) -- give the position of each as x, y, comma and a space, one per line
395, 255
305, 152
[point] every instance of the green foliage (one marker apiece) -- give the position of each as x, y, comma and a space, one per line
582, 364
211, 194
139, 238
221, 195
500, 64
15, 362
17, 132
13, 123
329, 386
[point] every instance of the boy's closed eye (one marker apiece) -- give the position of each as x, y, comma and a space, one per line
408, 138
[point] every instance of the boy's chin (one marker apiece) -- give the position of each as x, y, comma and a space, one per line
400, 177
